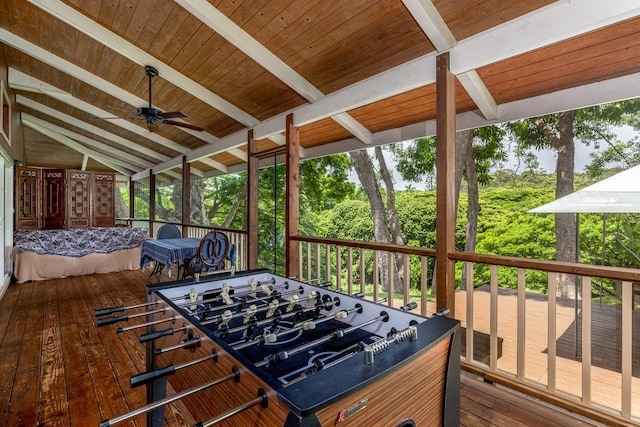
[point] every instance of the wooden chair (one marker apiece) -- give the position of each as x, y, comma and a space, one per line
212, 255
169, 231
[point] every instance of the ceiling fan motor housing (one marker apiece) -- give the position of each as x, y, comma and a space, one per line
150, 114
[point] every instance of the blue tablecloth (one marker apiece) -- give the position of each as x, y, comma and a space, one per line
168, 251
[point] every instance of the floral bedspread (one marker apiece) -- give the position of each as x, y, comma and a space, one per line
79, 242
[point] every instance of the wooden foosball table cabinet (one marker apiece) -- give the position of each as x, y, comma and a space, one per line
256, 349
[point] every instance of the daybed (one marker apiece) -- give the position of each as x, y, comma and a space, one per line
48, 254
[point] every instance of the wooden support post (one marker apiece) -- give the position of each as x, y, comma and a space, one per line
252, 203
152, 200
292, 196
186, 195
445, 183
132, 198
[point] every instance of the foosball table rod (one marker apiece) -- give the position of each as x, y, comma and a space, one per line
148, 376
234, 375
262, 399
110, 320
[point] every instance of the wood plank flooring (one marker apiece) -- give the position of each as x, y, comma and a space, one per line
58, 369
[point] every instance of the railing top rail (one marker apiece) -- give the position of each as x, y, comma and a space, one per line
388, 247
206, 227
616, 273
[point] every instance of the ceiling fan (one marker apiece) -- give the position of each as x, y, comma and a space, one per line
153, 116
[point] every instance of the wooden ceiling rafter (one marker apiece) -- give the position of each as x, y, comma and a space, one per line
235, 35
134, 163
116, 139
118, 166
22, 81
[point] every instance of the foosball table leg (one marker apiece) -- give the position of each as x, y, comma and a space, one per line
156, 390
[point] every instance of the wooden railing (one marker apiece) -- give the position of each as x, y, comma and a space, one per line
567, 351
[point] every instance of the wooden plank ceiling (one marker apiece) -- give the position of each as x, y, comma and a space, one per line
354, 73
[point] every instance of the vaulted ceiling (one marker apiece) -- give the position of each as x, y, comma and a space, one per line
354, 73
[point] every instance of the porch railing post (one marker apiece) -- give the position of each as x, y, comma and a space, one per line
445, 183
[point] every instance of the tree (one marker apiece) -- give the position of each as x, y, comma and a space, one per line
476, 152
592, 126
366, 174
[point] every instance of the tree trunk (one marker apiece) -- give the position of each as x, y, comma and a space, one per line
464, 156
237, 201
122, 211
364, 168
473, 209
394, 223
565, 223
198, 210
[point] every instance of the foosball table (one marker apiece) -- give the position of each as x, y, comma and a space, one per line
257, 349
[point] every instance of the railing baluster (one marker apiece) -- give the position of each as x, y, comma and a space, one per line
406, 282
586, 340
391, 266
493, 320
350, 270
309, 261
339, 267
376, 275
468, 266
318, 253
627, 347
327, 253
521, 328
551, 332
363, 272
424, 278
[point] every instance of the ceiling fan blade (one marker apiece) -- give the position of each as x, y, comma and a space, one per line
182, 125
172, 114
153, 126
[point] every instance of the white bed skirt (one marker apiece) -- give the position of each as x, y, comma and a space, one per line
31, 266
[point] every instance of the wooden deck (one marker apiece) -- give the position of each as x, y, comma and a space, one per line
58, 369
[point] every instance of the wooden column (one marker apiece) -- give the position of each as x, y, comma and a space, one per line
252, 203
152, 201
132, 199
292, 196
186, 195
445, 183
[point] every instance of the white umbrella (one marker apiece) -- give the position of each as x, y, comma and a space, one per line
619, 193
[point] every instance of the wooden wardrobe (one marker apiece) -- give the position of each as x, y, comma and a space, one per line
64, 198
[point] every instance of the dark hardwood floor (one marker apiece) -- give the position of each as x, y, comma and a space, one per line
58, 369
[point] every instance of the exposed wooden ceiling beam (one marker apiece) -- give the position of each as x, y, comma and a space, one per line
431, 23
118, 44
23, 81
123, 47
117, 139
434, 27
77, 147
620, 88
134, 163
234, 34
478, 91
218, 22
558, 21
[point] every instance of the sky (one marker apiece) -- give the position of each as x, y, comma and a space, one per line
546, 158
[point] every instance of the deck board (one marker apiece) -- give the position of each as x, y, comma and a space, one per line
49, 325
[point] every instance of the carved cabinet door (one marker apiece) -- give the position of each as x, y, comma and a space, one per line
78, 198
53, 201
28, 198
103, 193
